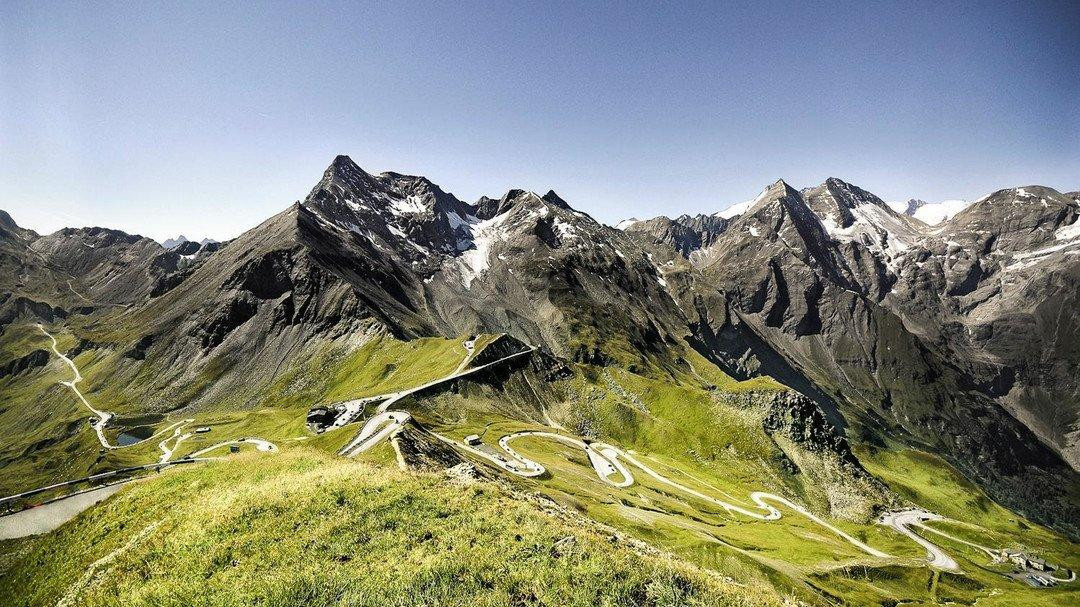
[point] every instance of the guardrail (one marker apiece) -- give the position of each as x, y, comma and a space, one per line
100, 476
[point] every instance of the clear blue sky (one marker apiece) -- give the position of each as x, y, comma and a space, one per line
204, 119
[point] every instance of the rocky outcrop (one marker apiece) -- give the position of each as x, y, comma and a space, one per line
24, 307
685, 233
809, 446
33, 360
797, 418
951, 339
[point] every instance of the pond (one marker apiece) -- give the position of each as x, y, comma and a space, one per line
134, 435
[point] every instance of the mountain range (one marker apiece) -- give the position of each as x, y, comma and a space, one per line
958, 338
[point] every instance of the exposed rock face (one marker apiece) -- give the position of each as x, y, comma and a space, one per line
17, 306
420, 450
803, 422
811, 446
942, 337
799, 419
989, 289
900, 329
37, 358
685, 234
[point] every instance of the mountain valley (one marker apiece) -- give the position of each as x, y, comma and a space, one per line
810, 398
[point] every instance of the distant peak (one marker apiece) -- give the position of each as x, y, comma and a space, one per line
847, 195
346, 174
172, 243
7, 222
512, 194
552, 198
343, 161
344, 169
914, 204
778, 189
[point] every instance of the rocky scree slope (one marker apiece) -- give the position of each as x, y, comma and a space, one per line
862, 309
956, 338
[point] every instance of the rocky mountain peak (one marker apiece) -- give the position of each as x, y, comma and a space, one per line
7, 222
686, 233
552, 198
1020, 224
782, 188
346, 175
172, 243
837, 203
777, 191
486, 208
913, 205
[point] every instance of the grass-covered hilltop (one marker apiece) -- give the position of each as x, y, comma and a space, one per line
421, 517
304, 528
384, 395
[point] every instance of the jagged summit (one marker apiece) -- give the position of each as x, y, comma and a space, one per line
779, 190
7, 222
915, 334
913, 205
345, 175
552, 198
172, 243
345, 164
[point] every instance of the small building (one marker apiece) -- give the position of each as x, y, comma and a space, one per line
472, 439
1040, 581
1037, 564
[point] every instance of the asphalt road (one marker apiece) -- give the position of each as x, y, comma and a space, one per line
105, 416
385, 422
45, 518
904, 520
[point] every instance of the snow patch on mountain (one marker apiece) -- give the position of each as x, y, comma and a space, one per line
933, 214
410, 205
872, 223
1068, 232
738, 208
475, 261
930, 213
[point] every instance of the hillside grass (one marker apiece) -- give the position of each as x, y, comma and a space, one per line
44, 437
303, 528
674, 417
691, 433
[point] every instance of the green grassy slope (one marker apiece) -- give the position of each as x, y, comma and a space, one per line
683, 418
44, 437
693, 434
303, 528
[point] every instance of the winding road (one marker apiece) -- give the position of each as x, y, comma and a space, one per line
611, 464
613, 467
53, 513
167, 449
105, 416
607, 462
904, 520
385, 422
